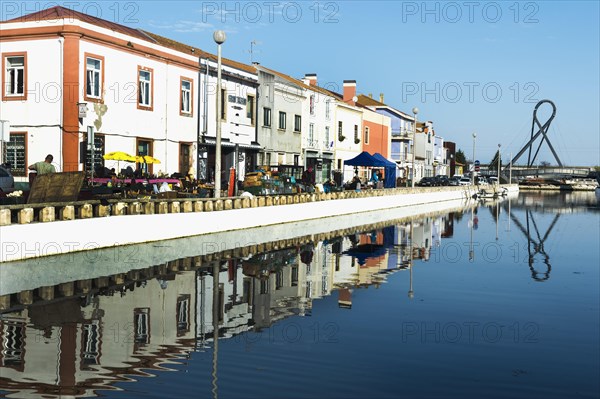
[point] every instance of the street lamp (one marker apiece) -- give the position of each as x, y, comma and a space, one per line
474, 137
219, 38
415, 111
499, 145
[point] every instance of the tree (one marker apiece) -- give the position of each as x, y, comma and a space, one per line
460, 157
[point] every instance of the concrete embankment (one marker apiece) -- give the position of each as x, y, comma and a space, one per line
34, 240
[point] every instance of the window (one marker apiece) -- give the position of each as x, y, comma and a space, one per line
91, 339
15, 72
296, 159
268, 159
311, 135
266, 116
141, 326
250, 109
185, 97
327, 109
145, 88
93, 77
282, 120
312, 104
327, 138
340, 126
182, 311
15, 154
12, 344
185, 158
144, 147
297, 123
366, 135
356, 133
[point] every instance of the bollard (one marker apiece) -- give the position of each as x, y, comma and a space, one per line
218, 205
198, 206
175, 207
209, 206
4, 217
67, 213
25, 216
86, 211
162, 207
47, 214
148, 208
120, 208
228, 205
237, 203
187, 207
134, 208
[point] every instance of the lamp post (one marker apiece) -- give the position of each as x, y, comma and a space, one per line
415, 111
219, 38
474, 137
499, 160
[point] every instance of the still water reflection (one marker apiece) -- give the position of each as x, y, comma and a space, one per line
497, 300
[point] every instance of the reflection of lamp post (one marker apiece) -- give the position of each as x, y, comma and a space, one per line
411, 293
216, 311
473, 174
471, 251
415, 111
219, 38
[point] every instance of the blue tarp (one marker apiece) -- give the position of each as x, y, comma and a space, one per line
390, 170
376, 160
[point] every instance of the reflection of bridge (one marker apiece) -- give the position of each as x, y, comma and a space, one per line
557, 202
535, 245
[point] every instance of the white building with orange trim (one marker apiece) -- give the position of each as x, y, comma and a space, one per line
143, 94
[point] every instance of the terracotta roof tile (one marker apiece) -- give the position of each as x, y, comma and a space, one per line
59, 12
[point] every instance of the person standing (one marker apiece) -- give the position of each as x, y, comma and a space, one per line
44, 167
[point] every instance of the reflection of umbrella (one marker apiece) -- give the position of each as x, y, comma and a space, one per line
119, 156
364, 252
146, 159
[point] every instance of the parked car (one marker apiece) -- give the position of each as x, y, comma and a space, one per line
481, 181
426, 182
465, 181
493, 180
443, 180
7, 181
454, 181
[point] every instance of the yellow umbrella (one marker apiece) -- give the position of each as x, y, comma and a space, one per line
146, 159
119, 156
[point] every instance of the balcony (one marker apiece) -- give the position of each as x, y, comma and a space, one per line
402, 133
312, 144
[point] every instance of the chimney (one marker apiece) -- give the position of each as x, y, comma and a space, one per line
349, 91
381, 98
310, 79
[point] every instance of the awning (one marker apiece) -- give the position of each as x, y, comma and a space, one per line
229, 144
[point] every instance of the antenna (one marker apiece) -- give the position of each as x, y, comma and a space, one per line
252, 51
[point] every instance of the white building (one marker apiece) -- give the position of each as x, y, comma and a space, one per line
348, 118
143, 94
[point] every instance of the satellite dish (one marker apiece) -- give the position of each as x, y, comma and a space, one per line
355, 99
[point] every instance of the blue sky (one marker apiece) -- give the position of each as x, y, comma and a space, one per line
469, 66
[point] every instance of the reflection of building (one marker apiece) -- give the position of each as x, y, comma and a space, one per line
125, 326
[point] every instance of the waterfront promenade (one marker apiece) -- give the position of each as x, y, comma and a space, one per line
96, 225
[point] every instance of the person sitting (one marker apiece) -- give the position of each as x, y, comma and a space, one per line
44, 167
128, 172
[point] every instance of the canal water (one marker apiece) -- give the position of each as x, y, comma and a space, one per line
497, 299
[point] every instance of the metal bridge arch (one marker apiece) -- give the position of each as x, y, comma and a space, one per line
542, 130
